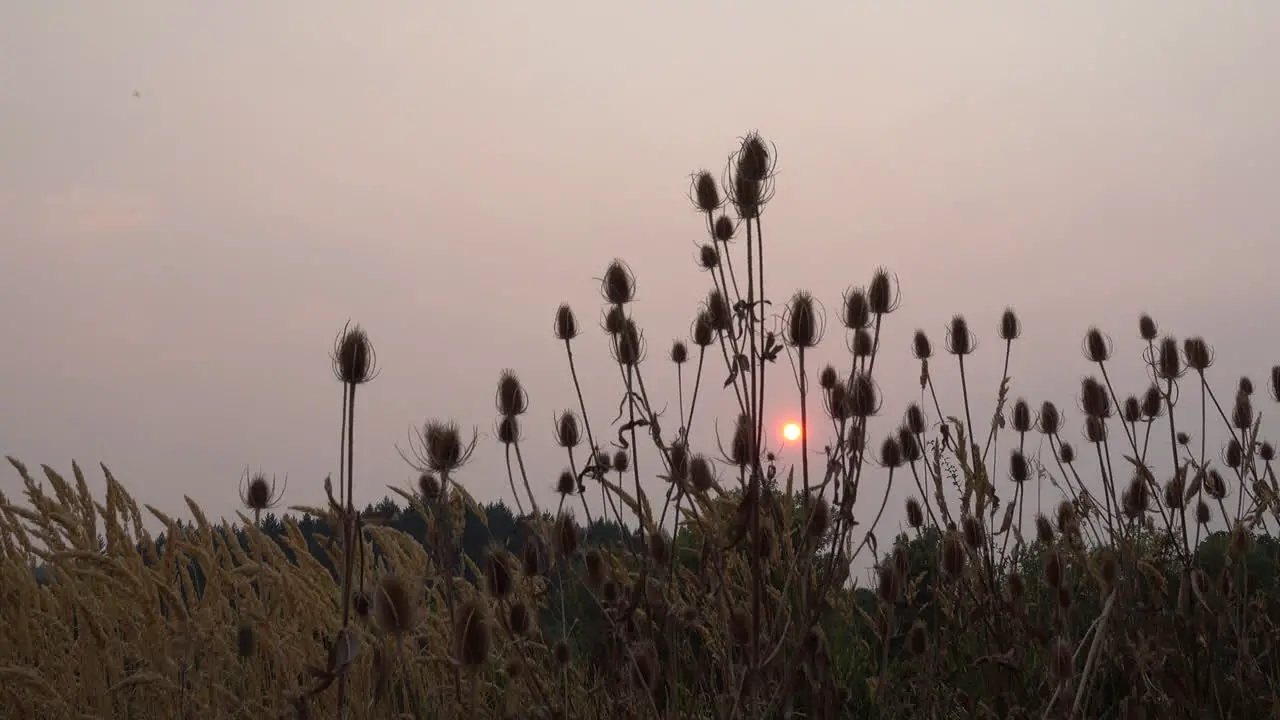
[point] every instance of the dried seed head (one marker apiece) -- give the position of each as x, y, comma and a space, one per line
921, 348
531, 557
1054, 572
960, 340
1152, 403
1095, 429
258, 493
1232, 454
882, 294
1020, 417
618, 286
857, 309
508, 430
472, 632
1168, 361
659, 548
429, 487
1061, 661
498, 576
1245, 387
1183, 438
442, 448
1097, 346
1214, 486
1050, 420
1275, 383
519, 618
1066, 454
718, 311
628, 345
861, 344
1242, 412
1010, 327
918, 639
915, 513
567, 432
1017, 586
953, 555
891, 453
1019, 467
1202, 513
915, 420
703, 332
1147, 328
804, 322
819, 521
245, 640
1241, 541
1095, 401
566, 483
566, 325
725, 228
1108, 570
974, 533
353, 357
889, 588
510, 398
566, 535
701, 474
679, 352
754, 160
1044, 530
910, 444
1173, 492
742, 448
827, 378
864, 397
621, 461
393, 605
705, 193
1266, 452
708, 257
595, 567
1131, 410
1137, 497
1197, 354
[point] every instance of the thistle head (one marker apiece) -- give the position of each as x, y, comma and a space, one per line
353, 357
257, 493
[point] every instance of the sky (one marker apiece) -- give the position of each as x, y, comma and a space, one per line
195, 197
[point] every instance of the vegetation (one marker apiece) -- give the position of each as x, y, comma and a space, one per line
710, 581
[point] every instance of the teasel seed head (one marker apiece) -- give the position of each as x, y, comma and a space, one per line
1147, 328
891, 453
1137, 497
259, 494
566, 324
1095, 401
561, 654
531, 557
1245, 387
1214, 485
864, 396
1173, 492
705, 193
360, 604
724, 229
644, 668
566, 483
910, 444
921, 348
1197, 354
953, 555
827, 377
915, 513
703, 332
1017, 586
1054, 570
974, 533
708, 257
1241, 541
1131, 410
1020, 417
1183, 438
1152, 403
1010, 327
567, 431
804, 321
1232, 454
1019, 467
621, 461
614, 320
1067, 453
508, 430
618, 286
918, 639
1242, 412
914, 419
883, 296
1168, 361
701, 474
628, 345
593, 562
442, 449
429, 487
472, 632
889, 586
393, 605
679, 352
1266, 452
1097, 346
742, 448
857, 309
861, 344
1275, 383
1044, 530
1108, 570
719, 311
960, 339
819, 521
1050, 421
1095, 430
1203, 515
510, 398
566, 535
659, 548
353, 357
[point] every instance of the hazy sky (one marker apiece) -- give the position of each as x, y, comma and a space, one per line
174, 266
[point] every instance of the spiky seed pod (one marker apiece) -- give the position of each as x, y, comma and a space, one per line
1019, 467
1152, 403
914, 419
1168, 360
519, 619
861, 344
1266, 452
472, 633
889, 588
819, 521
566, 483
1147, 328
531, 557
443, 449
1108, 570
901, 561
566, 535
1226, 582
618, 286
1067, 454
725, 229
566, 324
621, 461
891, 453
593, 561
1017, 586
614, 321
705, 193
1010, 327
703, 332
498, 577
1183, 438
659, 548
510, 398
1095, 401
1044, 530
803, 321
827, 377
1203, 515
1197, 354
1050, 419
1095, 430
864, 396
394, 608
857, 309
628, 345
921, 348
1137, 497
508, 430
701, 474
1096, 346
245, 639
1242, 412
882, 294
910, 444
960, 339
1131, 410
1173, 492
1232, 454
836, 402
1245, 387
258, 493
918, 639
953, 555
1066, 515
719, 311
1054, 570
974, 533
567, 432
742, 447
354, 359
429, 487
754, 161
915, 513
708, 257
679, 352
1214, 486
1020, 417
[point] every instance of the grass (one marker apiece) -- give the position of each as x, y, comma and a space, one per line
1140, 580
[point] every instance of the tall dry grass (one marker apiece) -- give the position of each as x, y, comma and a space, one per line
1129, 577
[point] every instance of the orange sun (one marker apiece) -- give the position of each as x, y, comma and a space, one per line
791, 432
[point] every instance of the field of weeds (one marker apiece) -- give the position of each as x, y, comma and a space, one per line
1129, 570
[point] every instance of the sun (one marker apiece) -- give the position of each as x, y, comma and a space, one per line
791, 432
